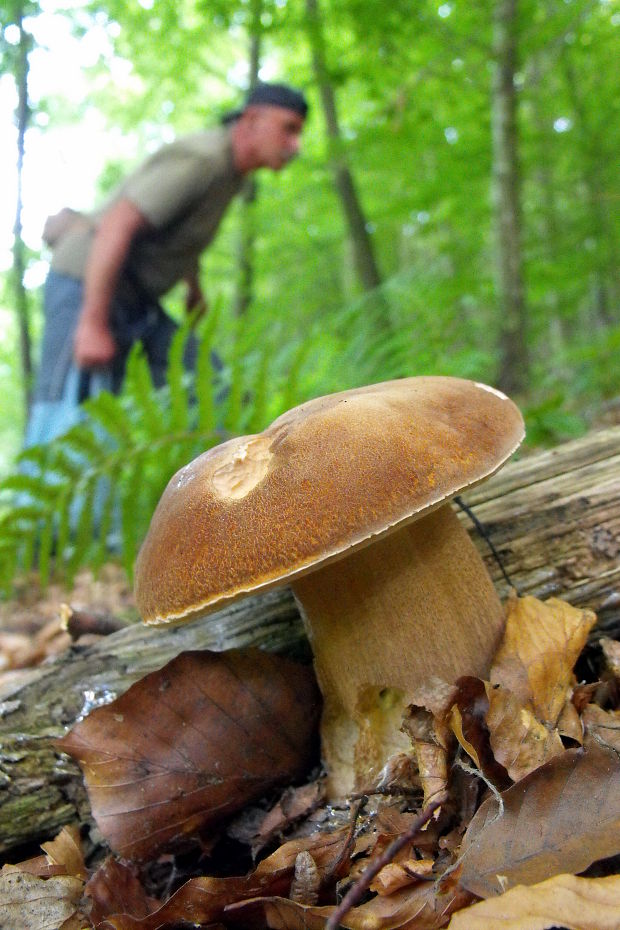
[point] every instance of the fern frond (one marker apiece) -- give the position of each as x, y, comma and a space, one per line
177, 381
139, 386
107, 413
205, 374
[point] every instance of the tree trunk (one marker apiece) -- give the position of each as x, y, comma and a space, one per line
559, 324
554, 519
513, 372
249, 191
19, 261
606, 278
363, 251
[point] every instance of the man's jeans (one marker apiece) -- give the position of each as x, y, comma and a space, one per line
61, 386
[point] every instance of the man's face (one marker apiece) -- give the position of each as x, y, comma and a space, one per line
276, 135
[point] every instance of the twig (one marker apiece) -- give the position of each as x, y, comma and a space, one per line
348, 844
357, 890
471, 770
388, 790
485, 535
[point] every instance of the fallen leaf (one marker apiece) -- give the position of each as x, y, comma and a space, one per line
602, 726
520, 742
31, 903
561, 818
584, 693
115, 889
203, 900
194, 742
418, 908
66, 851
429, 751
397, 875
400, 773
569, 722
468, 721
565, 900
41, 867
295, 804
541, 644
611, 651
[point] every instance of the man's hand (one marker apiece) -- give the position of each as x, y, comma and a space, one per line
94, 346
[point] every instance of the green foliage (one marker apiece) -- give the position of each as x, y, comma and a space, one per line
91, 492
94, 489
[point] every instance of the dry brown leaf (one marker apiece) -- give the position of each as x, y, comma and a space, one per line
611, 651
429, 751
397, 875
603, 726
456, 724
469, 725
203, 900
569, 723
115, 889
31, 903
194, 742
41, 867
417, 908
541, 644
520, 742
561, 818
295, 804
66, 851
566, 901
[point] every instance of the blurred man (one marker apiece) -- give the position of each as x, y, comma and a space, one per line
110, 268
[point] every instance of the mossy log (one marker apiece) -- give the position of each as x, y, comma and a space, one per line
553, 517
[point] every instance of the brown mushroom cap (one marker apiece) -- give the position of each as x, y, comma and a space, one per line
328, 476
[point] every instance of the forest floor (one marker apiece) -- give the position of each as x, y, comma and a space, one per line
33, 623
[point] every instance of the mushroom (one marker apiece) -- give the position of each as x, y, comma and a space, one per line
346, 498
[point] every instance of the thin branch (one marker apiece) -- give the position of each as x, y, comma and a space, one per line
357, 890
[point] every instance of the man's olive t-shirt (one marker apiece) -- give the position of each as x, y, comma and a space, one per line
183, 190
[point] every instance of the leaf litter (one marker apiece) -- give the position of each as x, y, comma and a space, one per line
517, 778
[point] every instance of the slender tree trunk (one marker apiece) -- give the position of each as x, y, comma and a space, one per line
245, 281
606, 274
364, 256
558, 320
513, 373
19, 258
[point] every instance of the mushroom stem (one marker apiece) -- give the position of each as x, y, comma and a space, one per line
386, 622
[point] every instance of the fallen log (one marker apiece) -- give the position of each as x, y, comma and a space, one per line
553, 518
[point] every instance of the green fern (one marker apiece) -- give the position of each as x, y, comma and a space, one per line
96, 486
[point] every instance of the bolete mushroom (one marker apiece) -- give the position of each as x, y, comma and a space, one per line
346, 498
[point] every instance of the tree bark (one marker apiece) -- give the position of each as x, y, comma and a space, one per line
363, 251
606, 278
554, 519
513, 372
22, 116
249, 191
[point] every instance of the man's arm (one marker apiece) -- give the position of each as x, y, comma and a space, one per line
94, 344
